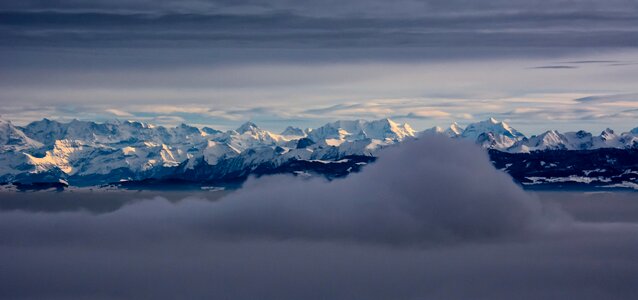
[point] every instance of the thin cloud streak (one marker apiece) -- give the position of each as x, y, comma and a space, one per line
555, 67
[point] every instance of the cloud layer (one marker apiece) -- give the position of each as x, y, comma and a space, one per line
430, 219
229, 61
411, 195
426, 191
318, 24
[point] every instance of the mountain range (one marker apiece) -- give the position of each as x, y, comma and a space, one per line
125, 153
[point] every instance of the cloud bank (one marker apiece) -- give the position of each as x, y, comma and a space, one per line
430, 219
426, 191
359, 24
429, 190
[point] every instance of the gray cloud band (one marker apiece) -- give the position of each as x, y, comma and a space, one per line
284, 29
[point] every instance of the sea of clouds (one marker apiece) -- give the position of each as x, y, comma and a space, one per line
430, 219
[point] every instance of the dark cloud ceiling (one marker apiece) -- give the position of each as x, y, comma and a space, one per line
329, 24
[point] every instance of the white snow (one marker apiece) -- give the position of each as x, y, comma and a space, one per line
89, 148
571, 178
624, 184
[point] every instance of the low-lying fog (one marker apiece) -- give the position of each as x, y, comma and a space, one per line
429, 220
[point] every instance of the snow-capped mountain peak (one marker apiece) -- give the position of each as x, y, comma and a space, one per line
293, 132
387, 128
115, 150
607, 139
492, 134
210, 131
549, 140
384, 129
12, 138
247, 127
490, 125
184, 131
433, 130
455, 129
608, 133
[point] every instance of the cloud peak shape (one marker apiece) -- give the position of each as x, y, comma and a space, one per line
431, 190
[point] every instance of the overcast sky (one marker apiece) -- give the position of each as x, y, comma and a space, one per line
539, 64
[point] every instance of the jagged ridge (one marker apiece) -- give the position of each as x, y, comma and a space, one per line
89, 153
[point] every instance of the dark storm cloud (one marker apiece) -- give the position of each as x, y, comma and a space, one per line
290, 24
375, 235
